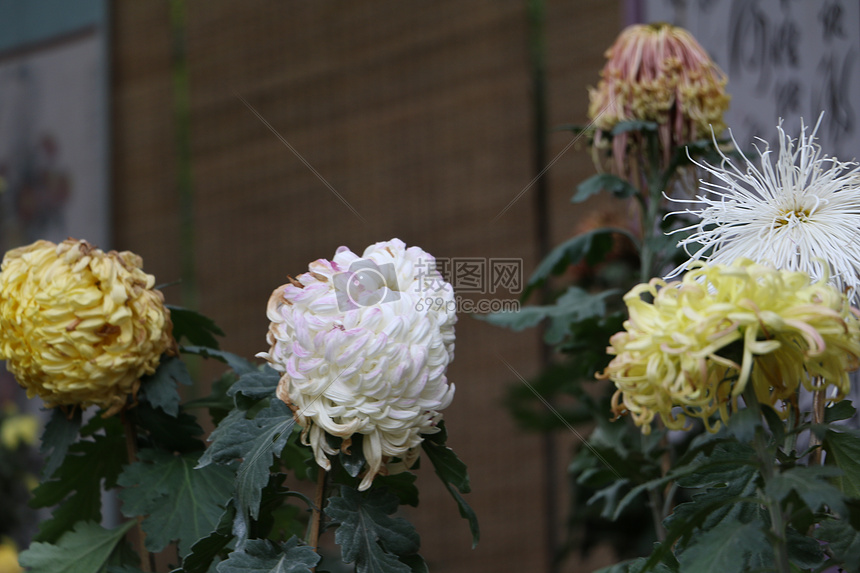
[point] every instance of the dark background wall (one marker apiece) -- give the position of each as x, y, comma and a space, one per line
419, 114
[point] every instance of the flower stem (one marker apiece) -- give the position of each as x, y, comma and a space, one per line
146, 558
767, 470
819, 399
316, 511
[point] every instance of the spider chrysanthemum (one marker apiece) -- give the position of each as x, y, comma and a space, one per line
800, 212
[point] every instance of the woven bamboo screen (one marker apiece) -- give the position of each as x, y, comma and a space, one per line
419, 115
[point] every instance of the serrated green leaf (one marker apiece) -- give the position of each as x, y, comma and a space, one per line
804, 552
719, 504
194, 327
453, 474
402, 485
367, 535
172, 433
569, 253
354, 461
255, 441
619, 187
234, 361
467, 513
727, 547
743, 424
447, 465
204, 551
843, 449
574, 305
839, 411
179, 502
811, 484
257, 384
416, 563
703, 469
60, 433
77, 483
843, 540
84, 549
160, 389
263, 556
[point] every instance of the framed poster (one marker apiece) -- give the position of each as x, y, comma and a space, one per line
785, 59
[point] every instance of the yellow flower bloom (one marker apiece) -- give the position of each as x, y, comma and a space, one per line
9, 558
79, 326
660, 73
18, 429
703, 339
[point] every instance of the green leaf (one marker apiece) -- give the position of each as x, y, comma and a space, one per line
743, 424
569, 253
234, 361
85, 549
453, 474
843, 449
638, 565
703, 469
843, 410
257, 384
727, 547
77, 483
803, 551
263, 556
811, 484
844, 542
60, 433
574, 305
445, 462
354, 460
713, 506
180, 502
367, 535
172, 433
204, 551
619, 187
194, 327
416, 563
255, 441
633, 125
160, 389
402, 485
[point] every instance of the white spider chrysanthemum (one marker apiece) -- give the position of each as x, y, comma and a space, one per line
362, 344
800, 214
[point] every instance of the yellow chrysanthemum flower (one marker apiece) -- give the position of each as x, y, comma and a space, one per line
18, 429
79, 326
704, 338
9, 558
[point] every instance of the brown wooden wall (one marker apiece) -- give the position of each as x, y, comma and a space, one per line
419, 115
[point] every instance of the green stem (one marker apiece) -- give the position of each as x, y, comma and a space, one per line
767, 469
131, 449
655, 180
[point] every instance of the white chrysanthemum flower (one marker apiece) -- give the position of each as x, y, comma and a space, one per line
800, 214
363, 344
